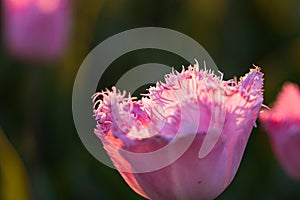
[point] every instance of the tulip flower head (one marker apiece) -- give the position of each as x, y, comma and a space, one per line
282, 124
185, 138
36, 29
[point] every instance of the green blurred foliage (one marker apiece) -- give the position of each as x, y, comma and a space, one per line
35, 104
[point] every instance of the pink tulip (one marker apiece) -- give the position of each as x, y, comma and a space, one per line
282, 124
156, 142
36, 29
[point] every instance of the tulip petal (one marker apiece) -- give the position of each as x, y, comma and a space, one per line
186, 138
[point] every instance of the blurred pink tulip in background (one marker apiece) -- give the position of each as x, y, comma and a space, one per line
282, 124
36, 29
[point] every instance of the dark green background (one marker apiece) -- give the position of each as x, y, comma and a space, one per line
35, 103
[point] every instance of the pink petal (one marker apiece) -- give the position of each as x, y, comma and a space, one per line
36, 29
282, 124
194, 106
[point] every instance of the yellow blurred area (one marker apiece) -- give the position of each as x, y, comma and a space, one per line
13, 178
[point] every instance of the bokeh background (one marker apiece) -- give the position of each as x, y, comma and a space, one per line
41, 155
